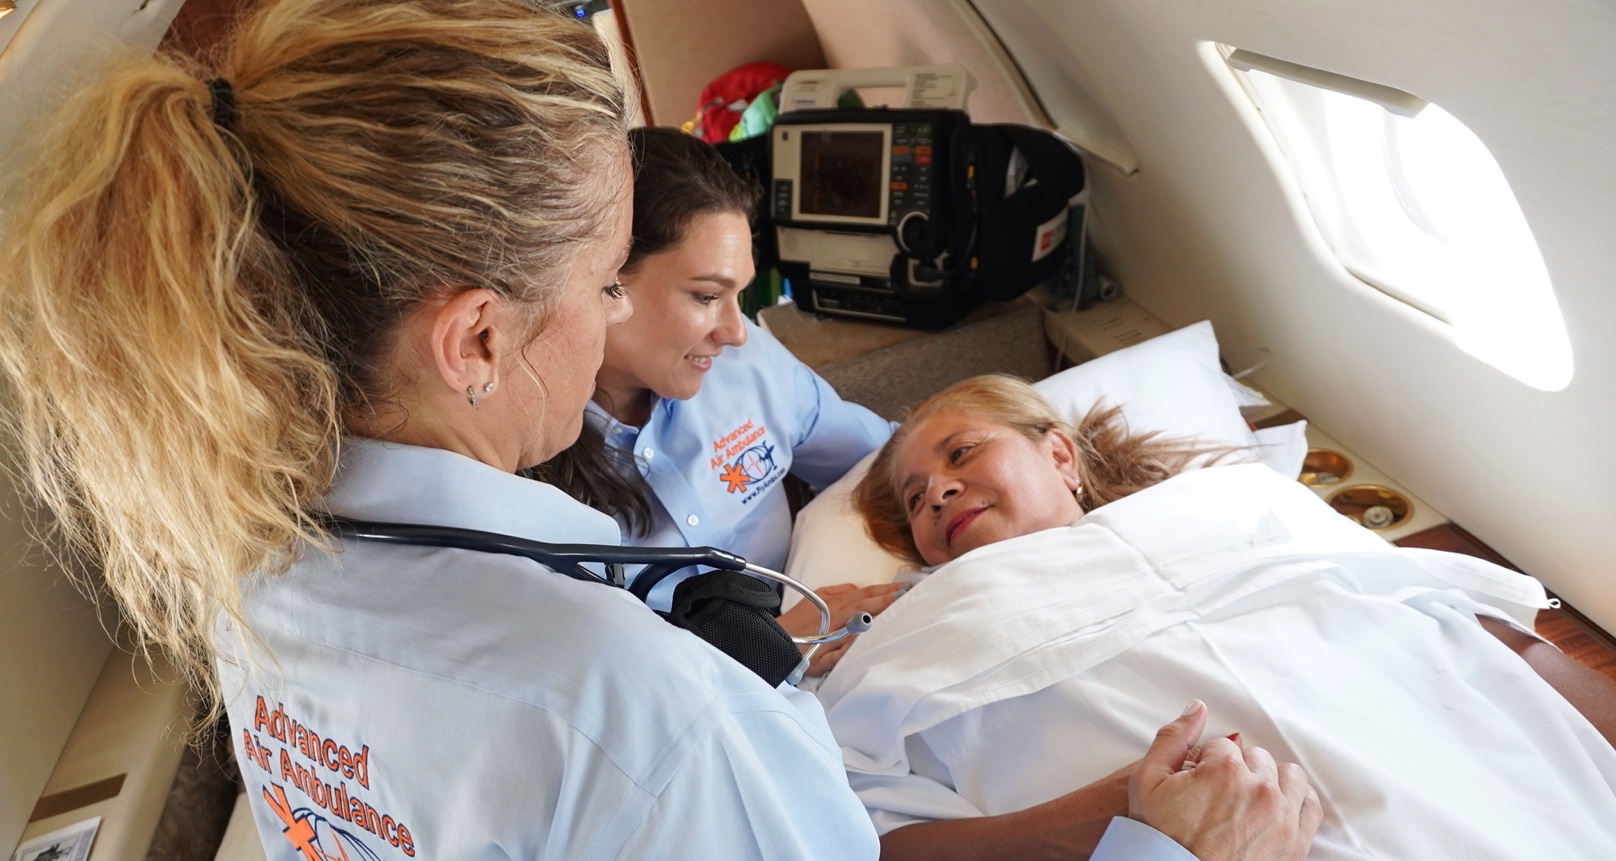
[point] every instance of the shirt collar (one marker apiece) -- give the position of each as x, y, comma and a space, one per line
606, 424
397, 483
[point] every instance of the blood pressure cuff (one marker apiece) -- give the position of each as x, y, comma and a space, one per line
735, 613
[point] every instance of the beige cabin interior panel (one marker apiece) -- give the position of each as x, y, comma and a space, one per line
54, 645
133, 725
921, 32
54, 648
680, 46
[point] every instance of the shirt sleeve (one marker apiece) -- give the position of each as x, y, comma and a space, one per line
1131, 840
757, 782
896, 801
832, 434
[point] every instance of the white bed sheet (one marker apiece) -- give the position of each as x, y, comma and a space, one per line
1030, 668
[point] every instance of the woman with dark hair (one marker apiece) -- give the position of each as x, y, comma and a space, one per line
700, 414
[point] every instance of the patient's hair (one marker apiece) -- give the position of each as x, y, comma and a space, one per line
1112, 460
677, 177
200, 282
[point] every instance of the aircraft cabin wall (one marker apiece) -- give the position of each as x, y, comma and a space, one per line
1213, 225
52, 644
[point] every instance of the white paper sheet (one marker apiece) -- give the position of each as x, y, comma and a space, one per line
71, 843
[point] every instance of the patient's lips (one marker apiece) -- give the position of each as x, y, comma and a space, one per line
962, 520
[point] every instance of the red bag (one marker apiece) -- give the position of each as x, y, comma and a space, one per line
723, 100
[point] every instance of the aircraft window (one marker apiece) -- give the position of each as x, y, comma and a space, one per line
1413, 203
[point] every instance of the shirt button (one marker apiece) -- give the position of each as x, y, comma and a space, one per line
646, 453
693, 520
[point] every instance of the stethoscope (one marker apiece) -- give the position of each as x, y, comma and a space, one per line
570, 559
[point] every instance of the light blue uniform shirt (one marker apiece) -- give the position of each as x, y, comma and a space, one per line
1130, 840
716, 461
434, 703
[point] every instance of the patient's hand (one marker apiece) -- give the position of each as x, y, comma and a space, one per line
1226, 804
844, 601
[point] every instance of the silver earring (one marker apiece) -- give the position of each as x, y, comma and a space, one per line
488, 387
471, 395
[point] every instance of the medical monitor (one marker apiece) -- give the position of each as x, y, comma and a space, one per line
841, 173
860, 201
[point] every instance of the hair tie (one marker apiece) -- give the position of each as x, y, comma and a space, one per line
224, 103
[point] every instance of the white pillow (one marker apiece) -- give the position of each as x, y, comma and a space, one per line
1283, 448
1171, 383
829, 544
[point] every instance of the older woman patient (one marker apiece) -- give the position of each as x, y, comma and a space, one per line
1086, 580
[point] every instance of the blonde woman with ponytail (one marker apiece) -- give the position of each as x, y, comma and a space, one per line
364, 266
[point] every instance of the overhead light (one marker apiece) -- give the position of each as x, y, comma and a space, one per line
7, 7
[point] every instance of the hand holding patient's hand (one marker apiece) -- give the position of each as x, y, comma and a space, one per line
844, 601
1232, 805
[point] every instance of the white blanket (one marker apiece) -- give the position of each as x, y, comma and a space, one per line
1029, 668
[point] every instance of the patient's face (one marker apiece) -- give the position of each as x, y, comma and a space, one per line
968, 481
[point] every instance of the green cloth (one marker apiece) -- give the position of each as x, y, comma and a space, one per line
759, 115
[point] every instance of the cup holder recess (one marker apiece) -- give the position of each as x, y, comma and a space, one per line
1373, 506
1323, 467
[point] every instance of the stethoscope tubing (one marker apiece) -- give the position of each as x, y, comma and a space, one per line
858, 623
569, 559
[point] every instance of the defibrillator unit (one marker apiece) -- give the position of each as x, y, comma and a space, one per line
912, 215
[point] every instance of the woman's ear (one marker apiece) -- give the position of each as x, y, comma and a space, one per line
465, 331
1064, 451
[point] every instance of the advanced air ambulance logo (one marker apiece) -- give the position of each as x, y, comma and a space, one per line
328, 816
744, 461
314, 836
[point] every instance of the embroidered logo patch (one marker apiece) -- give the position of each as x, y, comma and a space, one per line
744, 460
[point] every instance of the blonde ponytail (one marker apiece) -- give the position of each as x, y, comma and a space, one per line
190, 313
172, 416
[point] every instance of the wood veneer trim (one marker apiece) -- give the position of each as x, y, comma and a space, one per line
1454, 538
78, 796
1588, 626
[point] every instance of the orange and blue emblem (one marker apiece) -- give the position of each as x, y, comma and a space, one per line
754, 464
313, 835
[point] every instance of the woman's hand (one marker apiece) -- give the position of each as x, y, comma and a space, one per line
845, 600
1223, 803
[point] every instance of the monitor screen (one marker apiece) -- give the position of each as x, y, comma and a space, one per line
841, 173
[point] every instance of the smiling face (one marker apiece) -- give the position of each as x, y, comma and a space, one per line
966, 481
687, 310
